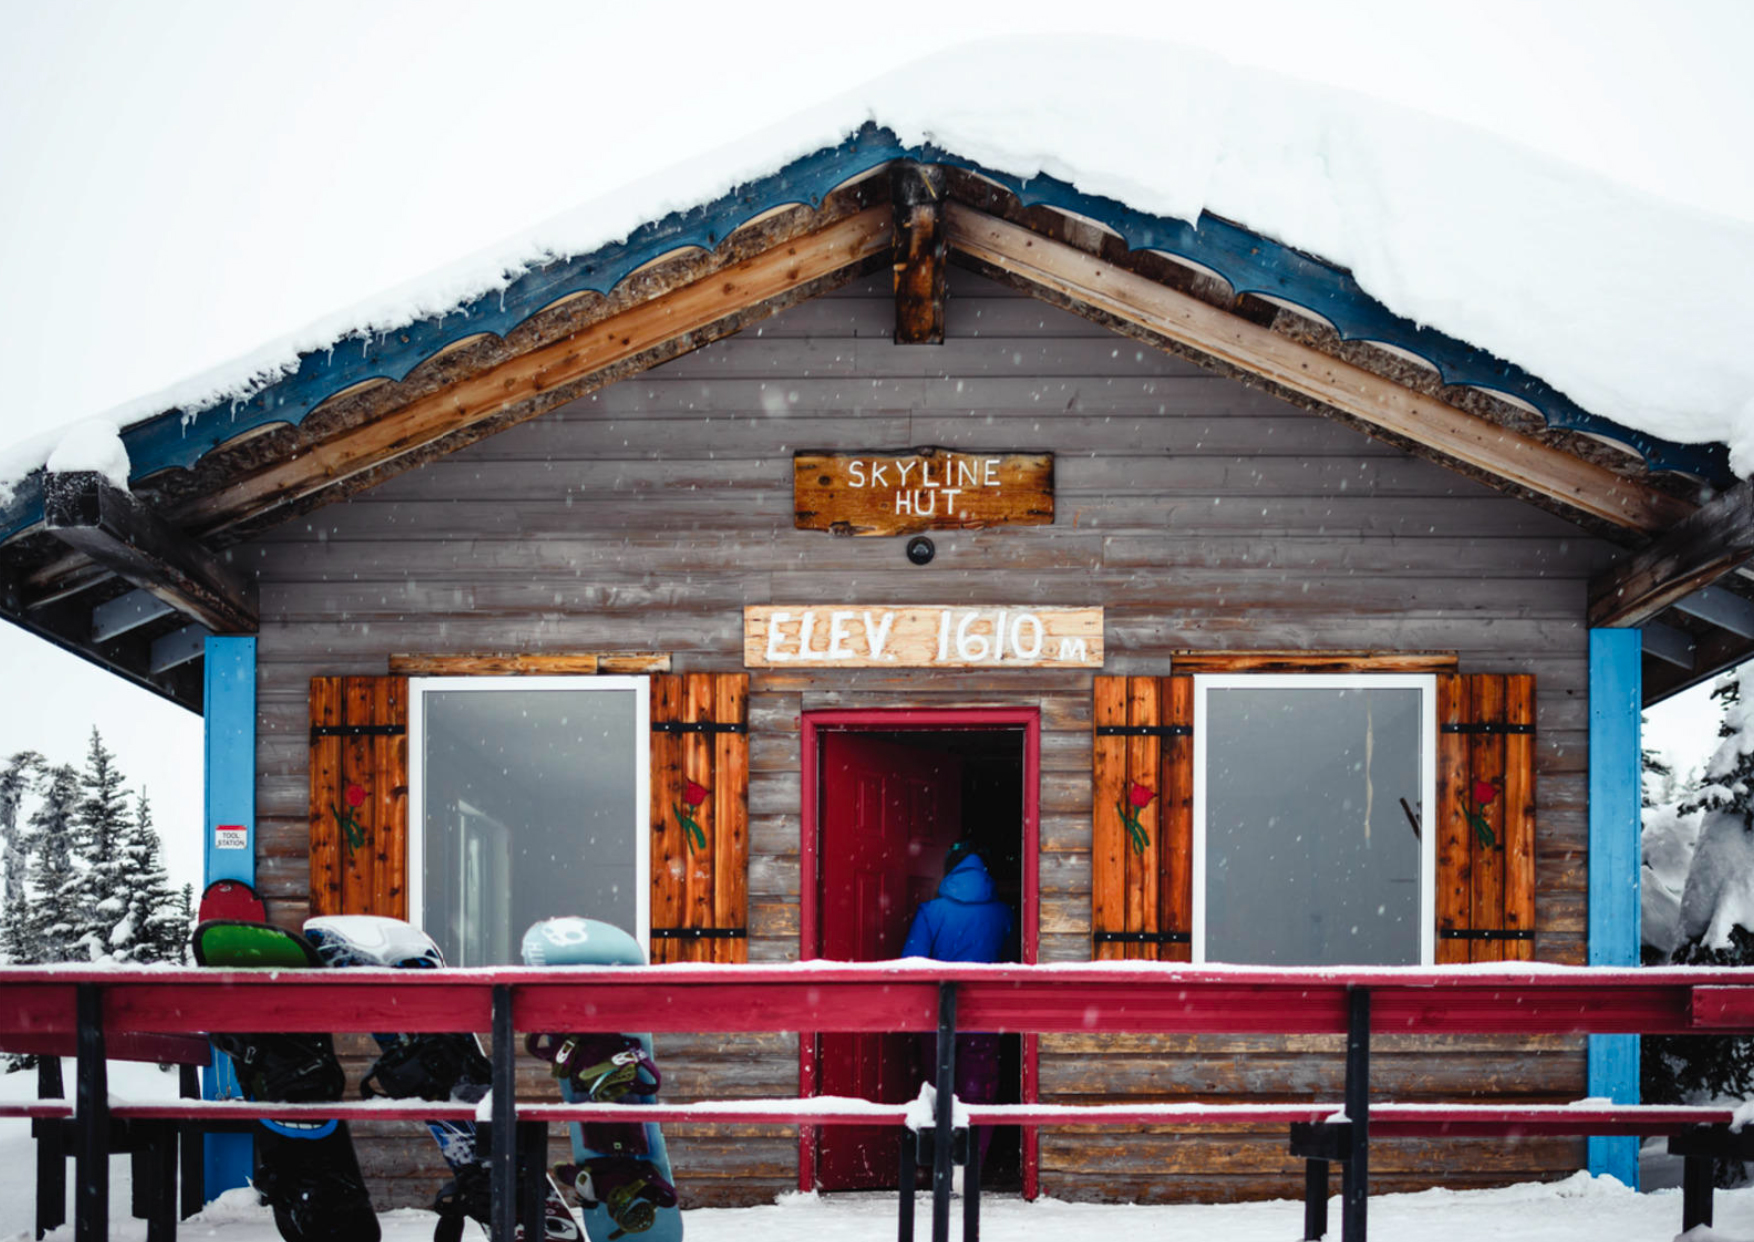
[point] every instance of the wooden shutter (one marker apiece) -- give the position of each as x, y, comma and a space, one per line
1486, 818
700, 817
359, 795
1142, 829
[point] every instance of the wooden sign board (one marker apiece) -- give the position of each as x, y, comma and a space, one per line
921, 636
913, 490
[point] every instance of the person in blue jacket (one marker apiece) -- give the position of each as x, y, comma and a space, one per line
965, 922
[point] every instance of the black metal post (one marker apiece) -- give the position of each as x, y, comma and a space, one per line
1355, 1194
503, 1162
1696, 1178
189, 1144
910, 1165
158, 1140
91, 1161
942, 1138
532, 1176
51, 1137
971, 1186
1315, 1200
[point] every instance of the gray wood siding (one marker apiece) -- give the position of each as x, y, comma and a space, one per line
1199, 512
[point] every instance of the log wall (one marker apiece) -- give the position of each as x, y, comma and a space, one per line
1199, 512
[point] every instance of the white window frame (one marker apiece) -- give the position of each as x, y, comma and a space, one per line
1426, 683
418, 687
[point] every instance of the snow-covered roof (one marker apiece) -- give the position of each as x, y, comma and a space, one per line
1608, 310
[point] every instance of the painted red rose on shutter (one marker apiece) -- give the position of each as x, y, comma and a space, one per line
693, 794
1484, 794
1138, 798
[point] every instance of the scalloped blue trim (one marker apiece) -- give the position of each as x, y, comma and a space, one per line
1250, 262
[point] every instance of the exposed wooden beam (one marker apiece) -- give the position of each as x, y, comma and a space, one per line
1668, 644
1452, 434
118, 531
1703, 547
125, 613
1289, 661
534, 381
529, 663
1713, 652
177, 648
1724, 609
917, 196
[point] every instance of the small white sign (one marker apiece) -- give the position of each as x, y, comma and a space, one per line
231, 837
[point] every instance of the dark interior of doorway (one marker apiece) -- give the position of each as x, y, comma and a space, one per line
992, 816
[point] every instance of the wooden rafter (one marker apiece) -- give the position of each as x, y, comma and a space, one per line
1451, 434
917, 196
118, 531
1702, 548
530, 383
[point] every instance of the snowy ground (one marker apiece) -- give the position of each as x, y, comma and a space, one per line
1580, 1209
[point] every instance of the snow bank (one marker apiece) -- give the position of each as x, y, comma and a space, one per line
1632, 305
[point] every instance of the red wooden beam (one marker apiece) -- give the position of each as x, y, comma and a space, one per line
1719, 1008
657, 1004
37, 1004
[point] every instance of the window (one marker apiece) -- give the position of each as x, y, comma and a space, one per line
1313, 839
527, 799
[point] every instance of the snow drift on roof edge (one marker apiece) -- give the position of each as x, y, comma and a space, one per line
1629, 304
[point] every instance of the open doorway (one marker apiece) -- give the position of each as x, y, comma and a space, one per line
887, 795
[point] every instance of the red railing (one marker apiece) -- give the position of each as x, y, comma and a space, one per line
96, 1005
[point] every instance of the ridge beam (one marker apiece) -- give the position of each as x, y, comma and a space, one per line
917, 195
117, 530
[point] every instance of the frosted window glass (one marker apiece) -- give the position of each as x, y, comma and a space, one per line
1311, 857
529, 813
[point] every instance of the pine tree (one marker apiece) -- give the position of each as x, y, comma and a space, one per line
17, 776
102, 828
1689, 1068
43, 928
149, 929
185, 923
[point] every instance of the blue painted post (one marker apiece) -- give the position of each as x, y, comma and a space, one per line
1616, 699
229, 708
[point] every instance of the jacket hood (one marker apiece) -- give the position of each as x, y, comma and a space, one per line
969, 882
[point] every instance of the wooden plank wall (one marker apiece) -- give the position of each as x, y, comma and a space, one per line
1199, 512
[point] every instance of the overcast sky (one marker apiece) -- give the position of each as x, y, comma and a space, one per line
183, 181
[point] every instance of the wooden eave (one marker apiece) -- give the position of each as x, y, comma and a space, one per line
376, 428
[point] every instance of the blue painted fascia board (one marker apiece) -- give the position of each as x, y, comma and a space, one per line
1251, 263
1615, 820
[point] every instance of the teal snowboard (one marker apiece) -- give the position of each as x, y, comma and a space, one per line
306, 1170
620, 1171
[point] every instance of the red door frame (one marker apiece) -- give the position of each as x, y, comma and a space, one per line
923, 720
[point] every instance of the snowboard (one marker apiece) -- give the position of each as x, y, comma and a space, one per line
621, 1171
439, 1066
306, 1170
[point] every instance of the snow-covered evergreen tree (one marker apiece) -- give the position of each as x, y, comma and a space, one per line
151, 926
17, 775
1714, 921
44, 928
185, 923
102, 829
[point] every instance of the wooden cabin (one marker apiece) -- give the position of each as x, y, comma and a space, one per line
715, 582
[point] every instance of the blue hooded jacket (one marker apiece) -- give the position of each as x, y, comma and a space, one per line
965, 922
